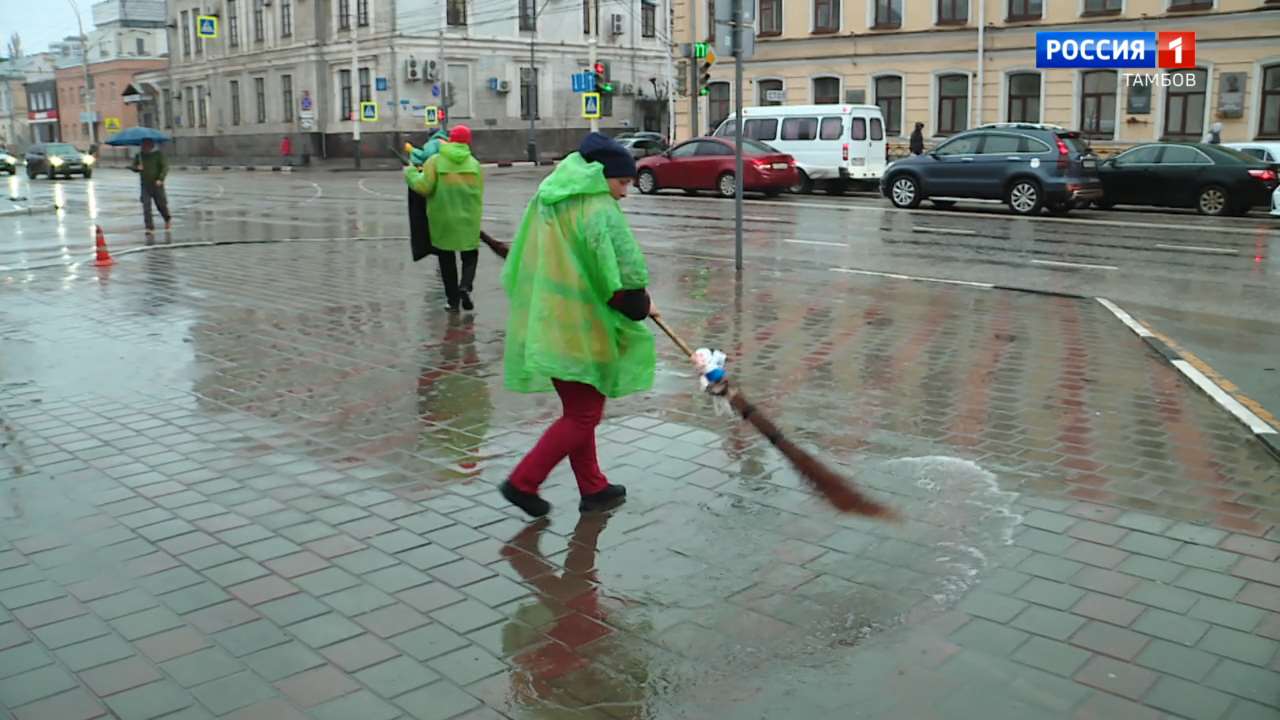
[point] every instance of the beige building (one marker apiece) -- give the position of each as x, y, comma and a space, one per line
919, 60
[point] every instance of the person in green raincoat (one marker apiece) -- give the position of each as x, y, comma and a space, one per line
453, 185
419, 227
576, 280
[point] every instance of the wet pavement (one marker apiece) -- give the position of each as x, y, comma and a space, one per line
257, 481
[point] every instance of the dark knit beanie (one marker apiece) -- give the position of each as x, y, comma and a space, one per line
617, 160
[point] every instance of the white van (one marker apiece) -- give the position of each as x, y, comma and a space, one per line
832, 144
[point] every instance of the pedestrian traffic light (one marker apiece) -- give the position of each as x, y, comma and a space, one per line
704, 72
601, 71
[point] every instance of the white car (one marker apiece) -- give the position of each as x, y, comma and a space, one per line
1268, 152
1275, 202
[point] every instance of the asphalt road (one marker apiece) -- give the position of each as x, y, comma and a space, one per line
1212, 286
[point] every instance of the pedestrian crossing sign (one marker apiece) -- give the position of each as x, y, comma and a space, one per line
368, 111
591, 106
207, 26
432, 116
111, 123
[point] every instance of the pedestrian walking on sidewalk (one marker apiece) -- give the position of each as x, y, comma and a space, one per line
286, 150
917, 139
576, 280
419, 226
453, 185
1214, 136
152, 167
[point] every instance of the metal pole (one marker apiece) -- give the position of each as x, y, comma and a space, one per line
84, 65
592, 43
533, 95
355, 84
737, 135
693, 67
982, 26
442, 75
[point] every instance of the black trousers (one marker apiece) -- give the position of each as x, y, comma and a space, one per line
449, 273
152, 192
419, 227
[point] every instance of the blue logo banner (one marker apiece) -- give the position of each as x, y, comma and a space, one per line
1060, 49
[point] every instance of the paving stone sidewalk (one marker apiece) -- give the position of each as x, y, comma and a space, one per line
258, 482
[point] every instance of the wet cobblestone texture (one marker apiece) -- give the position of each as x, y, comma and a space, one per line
258, 482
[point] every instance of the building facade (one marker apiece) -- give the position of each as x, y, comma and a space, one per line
112, 81
42, 108
919, 60
15, 73
127, 29
284, 67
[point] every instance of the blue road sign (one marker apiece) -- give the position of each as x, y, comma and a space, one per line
591, 106
380, 83
435, 91
584, 82
207, 27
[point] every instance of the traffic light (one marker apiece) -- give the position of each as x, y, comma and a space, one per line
602, 78
704, 71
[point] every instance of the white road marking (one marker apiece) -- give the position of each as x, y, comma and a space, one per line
815, 242
899, 276
1125, 318
1087, 266
1233, 406
360, 183
1199, 248
942, 230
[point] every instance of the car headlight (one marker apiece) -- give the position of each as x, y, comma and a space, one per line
88, 159
9, 159
55, 161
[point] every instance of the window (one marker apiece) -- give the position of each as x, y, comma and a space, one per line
857, 129
953, 12
1269, 123
877, 129
286, 18
366, 92
344, 104
1102, 7
459, 90
195, 20
167, 99
259, 29
1025, 9
1183, 155
711, 19
344, 14
770, 17
260, 93
966, 145
528, 93
202, 101
826, 91
1143, 155
141, 46
826, 16
235, 102
1024, 97
999, 143
528, 15
286, 94
761, 129
362, 13
185, 28
832, 128
586, 17
1098, 103
1184, 105
799, 128
888, 14
457, 13
686, 150
233, 25
706, 149
953, 104
190, 95
648, 19
1175, 5
770, 92
889, 97
717, 103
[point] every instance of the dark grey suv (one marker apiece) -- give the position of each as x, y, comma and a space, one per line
1026, 165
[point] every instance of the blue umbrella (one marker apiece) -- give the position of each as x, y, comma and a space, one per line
136, 136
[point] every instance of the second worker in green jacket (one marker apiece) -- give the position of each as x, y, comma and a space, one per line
453, 185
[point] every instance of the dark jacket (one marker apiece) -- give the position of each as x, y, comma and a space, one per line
917, 142
152, 166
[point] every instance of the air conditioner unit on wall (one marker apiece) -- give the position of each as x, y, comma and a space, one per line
411, 73
615, 23
504, 86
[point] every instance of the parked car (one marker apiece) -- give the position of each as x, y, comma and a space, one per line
1213, 179
642, 147
8, 163
1027, 165
1275, 202
1267, 152
58, 159
832, 144
708, 164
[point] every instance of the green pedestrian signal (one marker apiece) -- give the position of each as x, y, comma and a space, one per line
699, 50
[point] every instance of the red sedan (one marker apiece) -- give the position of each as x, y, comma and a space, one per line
707, 164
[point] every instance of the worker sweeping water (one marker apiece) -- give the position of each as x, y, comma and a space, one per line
453, 184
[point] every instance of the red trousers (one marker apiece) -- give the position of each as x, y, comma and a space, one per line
572, 436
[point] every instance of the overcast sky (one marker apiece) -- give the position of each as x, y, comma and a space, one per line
40, 23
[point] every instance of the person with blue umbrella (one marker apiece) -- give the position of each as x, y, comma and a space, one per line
152, 167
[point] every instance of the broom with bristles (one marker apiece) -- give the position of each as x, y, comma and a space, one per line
837, 490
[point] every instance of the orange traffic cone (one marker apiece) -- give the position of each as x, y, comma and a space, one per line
104, 257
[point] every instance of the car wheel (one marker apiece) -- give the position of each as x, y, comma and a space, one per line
647, 183
1024, 197
87, 174
1212, 201
943, 204
904, 192
726, 186
31, 174
803, 184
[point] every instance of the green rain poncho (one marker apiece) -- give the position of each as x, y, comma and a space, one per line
420, 156
573, 251
453, 185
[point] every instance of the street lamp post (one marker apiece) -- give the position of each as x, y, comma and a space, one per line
88, 87
532, 145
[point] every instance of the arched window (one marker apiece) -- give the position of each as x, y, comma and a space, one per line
1098, 103
1269, 103
1184, 104
1024, 97
826, 91
953, 103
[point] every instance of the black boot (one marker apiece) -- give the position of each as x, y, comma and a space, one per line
528, 502
607, 499
467, 305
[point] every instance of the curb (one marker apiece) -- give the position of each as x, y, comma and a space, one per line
1262, 431
249, 168
29, 210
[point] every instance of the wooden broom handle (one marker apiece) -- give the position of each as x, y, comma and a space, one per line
657, 319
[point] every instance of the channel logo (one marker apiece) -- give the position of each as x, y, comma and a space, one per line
1169, 50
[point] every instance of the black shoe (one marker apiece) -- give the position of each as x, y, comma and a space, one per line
466, 302
451, 307
607, 499
528, 502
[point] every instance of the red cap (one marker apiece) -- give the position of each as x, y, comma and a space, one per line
460, 134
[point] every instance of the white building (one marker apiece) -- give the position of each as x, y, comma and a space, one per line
128, 29
283, 67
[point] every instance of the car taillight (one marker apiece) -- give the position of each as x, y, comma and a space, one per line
845, 152
1267, 175
1062, 148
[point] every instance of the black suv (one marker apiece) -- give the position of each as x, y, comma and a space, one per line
1028, 166
58, 159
